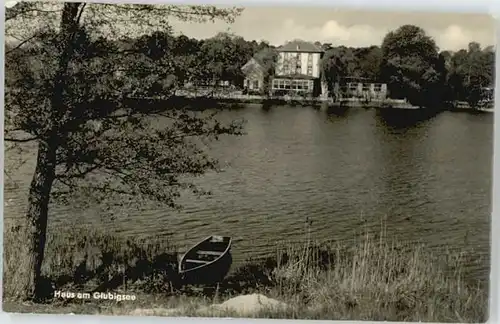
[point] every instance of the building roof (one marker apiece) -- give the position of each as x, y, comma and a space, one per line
300, 46
252, 63
259, 59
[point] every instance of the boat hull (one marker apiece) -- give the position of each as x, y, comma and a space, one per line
210, 274
207, 262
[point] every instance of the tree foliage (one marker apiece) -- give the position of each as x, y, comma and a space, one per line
471, 70
368, 61
223, 56
334, 67
69, 89
412, 67
267, 57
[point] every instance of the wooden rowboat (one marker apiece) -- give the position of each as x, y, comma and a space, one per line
207, 262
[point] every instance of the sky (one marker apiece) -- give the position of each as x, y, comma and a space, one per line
356, 28
277, 25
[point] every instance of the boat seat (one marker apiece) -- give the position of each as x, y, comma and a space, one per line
197, 261
216, 253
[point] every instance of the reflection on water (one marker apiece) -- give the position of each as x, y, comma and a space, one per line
427, 176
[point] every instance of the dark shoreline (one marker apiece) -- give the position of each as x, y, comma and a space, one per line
379, 268
223, 101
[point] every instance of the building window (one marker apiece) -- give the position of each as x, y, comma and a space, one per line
309, 64
288, 66
255, 84
298, 64
366, 87
377, 87
294, 85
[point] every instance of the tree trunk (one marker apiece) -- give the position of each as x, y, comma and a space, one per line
35, 231
32, 253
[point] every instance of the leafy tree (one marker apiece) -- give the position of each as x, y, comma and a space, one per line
187, 53
268, 58
455, 79
411, 66
68, 89
326, 46
350, 60
368, 61
334, 67
447, 58
223, 57
470, 71
262, 46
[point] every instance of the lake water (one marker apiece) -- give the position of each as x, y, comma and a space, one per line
428, 181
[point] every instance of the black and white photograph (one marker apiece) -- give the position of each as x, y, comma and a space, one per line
273, 162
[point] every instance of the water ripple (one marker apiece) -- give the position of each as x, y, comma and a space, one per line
429, 181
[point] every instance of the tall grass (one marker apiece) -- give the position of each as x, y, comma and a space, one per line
375, 278
88, 258
378, 279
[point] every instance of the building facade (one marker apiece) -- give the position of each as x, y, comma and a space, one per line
488, 97
297, 69
363, 89
254, 76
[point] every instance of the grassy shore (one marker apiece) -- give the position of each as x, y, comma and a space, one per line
375, 279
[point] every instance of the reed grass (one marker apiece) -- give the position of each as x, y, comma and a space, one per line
373, 278
378, 279
89, 258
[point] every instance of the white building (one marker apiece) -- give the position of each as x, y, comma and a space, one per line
298, 68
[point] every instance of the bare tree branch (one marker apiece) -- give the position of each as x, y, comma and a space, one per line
21, 44
20, 140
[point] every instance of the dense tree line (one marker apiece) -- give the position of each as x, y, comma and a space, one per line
411, 64
205, 61
408, 60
